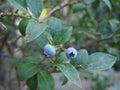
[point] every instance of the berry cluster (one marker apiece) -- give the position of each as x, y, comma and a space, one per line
49, 51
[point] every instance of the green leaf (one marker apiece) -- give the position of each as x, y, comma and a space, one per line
100, 61
19, 4
55, 25
42, 40
63, 36
45, 80
32, 83
27, 70
79, 6
81, 59
114, 23
113, 51
35, 7
104, 29
61, 58
71, 73
108, 3
63, 79
90, 12
34, 30
33, 59
22, 25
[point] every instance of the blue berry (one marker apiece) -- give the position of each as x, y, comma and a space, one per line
71, 53
49, 51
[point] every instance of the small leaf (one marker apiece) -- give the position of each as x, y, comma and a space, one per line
35, 6
27, 70
55, 25
42, 40
63, 36
34, 30
81, 59
32, 83
45, 80
100, 61
19, 4
71, 73
107, 2
22, 25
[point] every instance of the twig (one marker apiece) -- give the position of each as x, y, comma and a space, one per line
105, 39
57, 8
2, 14
15, 39
61, 46
90, 32
63, 4
80, 66
9, 49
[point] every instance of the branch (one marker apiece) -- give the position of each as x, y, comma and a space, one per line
2, 14
4, 39
63, 4
57, 8
9, 49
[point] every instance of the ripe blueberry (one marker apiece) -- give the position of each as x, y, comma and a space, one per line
49, 51
71, 53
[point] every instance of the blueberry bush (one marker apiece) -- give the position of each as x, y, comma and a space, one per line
59, 36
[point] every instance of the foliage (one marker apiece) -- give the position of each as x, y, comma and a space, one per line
90, 22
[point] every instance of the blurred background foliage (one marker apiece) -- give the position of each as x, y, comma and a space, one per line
96, 27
